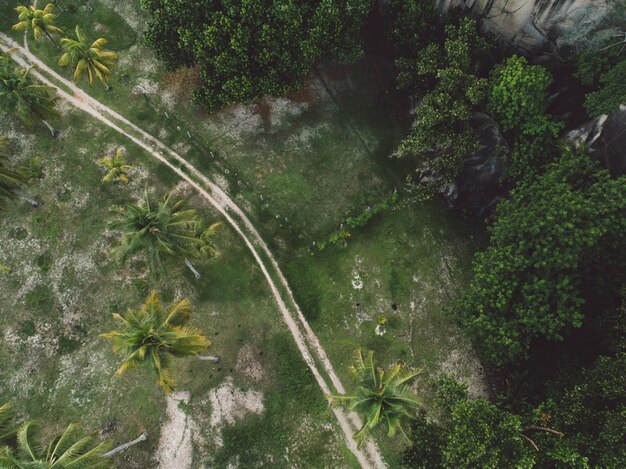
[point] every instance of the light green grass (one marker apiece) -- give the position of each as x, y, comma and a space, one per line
62, 289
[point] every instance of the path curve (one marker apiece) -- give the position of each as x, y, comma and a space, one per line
306, 340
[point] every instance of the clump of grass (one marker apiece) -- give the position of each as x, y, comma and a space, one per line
40, 298
27, 328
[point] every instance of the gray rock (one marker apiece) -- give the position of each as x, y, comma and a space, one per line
605, 139
479, 183
542, 25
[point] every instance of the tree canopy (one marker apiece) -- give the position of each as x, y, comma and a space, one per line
382, 397
87, 58
247, 49
527, 284
588, 405
20, 94
612, 91
162, 228
467, 433
517, 100
151, 335
441, 136
518, 95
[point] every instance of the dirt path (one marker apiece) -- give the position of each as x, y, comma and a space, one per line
306, 340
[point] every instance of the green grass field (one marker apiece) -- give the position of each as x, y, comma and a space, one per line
298, 166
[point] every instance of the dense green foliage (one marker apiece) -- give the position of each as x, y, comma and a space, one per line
589, 406
249, 49
382, 397
612, 91
517, 100
602, 65
468, 433
518, 96
441, 135
580, 424
527, 284
412, 25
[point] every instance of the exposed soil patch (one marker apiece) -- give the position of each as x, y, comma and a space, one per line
229, 404
248, 365
175, 445
182, 82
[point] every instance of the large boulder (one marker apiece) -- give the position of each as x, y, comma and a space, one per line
605, 139
542, 25
480, 181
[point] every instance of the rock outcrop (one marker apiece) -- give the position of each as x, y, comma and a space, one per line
605, 138
543, 25
479, 184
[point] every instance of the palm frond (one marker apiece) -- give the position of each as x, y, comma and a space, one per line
179, 313
26, 448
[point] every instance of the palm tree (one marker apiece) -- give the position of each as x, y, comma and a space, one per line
66, 452
86, 57
150, 336
381, 397
157, 229
116, 166
37, 21
20, 94
70, 450
9, 180
7, 426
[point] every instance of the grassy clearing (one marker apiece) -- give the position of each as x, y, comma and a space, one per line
62, 288
299, 166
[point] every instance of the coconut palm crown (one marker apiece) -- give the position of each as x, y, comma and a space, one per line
70, 450
151, 336
87, 58
19, 93
158, 229
37, 21
382, 397
116, 166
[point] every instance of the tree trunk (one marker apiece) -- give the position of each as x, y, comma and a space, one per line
532, 443
542, 429
50, 128
50, 37
125, 446
32, 202
192, 268
209, 358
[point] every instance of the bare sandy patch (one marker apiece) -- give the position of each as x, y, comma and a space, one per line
248, 365
175, 445
230, 404
463, 365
